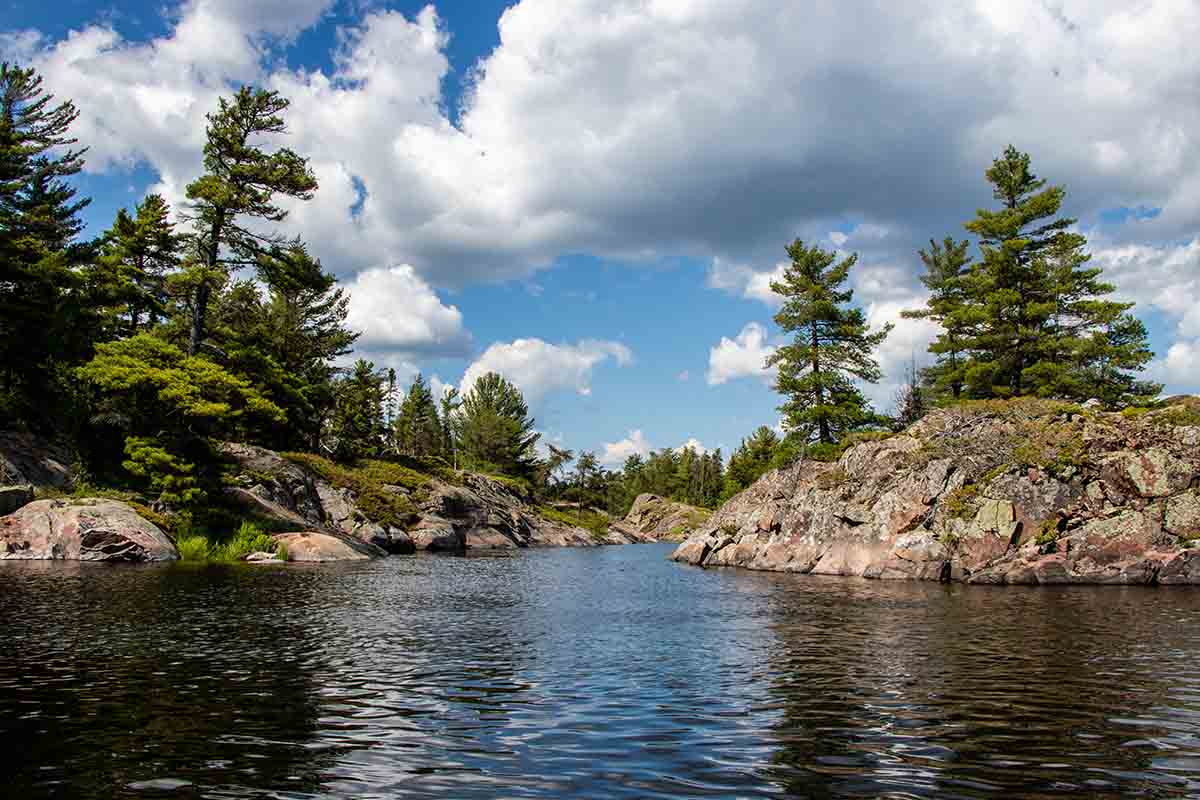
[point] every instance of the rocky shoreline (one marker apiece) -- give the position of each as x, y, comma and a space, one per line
1019, 492
319, 520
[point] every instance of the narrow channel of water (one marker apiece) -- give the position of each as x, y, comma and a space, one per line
607, 672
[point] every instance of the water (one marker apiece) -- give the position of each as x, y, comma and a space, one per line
586, 673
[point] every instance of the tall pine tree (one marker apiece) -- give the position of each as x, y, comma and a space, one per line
236, 194
40, 302
831, 347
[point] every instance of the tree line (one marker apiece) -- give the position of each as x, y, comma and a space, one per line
178, 328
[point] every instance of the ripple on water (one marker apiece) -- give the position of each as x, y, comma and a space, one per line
587, 673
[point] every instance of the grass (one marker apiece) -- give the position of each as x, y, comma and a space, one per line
248, 538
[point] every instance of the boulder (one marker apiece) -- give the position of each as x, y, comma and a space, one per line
326, 546
13, 497
84, 530
652, 518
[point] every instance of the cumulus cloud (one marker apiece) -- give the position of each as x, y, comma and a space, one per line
1179, 368
745, 355
693, 443
615, 453
395, 310
583, 130
537, 367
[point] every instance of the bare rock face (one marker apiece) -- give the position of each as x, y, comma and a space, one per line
279, 490
327, 546
29, 458
654, 518
1003, 493
487, 514
481, 513
82, 530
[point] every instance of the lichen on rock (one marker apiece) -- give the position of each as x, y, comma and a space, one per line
1023, 491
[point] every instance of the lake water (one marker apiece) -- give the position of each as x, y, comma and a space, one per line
605, 672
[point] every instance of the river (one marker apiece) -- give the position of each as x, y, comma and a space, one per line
606, 672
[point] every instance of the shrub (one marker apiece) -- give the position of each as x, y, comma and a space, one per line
193, 548
249, 538
961, 502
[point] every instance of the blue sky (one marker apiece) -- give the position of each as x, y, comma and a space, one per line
591, 196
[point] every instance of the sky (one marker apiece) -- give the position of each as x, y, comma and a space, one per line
591, 196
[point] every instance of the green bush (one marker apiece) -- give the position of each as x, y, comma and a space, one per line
193, 548
249, 538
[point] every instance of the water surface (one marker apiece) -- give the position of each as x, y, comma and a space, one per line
605, 672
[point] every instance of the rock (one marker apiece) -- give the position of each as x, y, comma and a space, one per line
654, 518
29, 458
262, 558
1154, 472
1182, 517
1024, 492
1181, 568
13, 497
326, 546
84, 530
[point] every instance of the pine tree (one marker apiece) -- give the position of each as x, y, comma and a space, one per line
831, 347
946, 264
355, 428
418, 431
1030, 317
130, 275
40, 304
236, 194
495, 429
449, 405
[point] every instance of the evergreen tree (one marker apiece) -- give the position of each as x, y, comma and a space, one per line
355, 428
236, 194
40, 306
130, 275
166, 405
418, 430
750, 460
831, 346
495, 429
1030, 317
303, 331
449, 405
946, 265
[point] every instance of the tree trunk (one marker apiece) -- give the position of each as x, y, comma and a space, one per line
203, 291
822, 422
199, 307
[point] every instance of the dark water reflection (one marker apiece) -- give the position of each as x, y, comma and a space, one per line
586, 673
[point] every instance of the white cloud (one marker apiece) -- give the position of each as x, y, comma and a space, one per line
693, 443
395, 310
537, 367
640, 129
1179, 369
615, 453
744, 355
